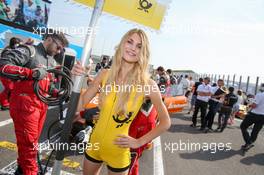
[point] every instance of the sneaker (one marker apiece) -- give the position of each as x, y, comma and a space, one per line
4, 108
247, 146
193, 125
244, 146
18, 171
202, 129
210, 130
222, 129
217, 130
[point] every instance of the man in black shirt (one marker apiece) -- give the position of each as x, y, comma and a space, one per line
226, 109
214, 104
194, 96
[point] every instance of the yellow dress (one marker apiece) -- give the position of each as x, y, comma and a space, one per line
108, 127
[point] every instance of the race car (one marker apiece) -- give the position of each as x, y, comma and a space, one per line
173, 104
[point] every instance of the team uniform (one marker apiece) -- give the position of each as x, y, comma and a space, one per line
4, 95
141, 125
26, 109
109, 125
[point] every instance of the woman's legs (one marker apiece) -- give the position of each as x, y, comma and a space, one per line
119, 173
91, 168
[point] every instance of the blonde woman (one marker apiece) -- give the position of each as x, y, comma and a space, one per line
123, 88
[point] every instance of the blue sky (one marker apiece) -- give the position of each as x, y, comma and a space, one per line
219, 36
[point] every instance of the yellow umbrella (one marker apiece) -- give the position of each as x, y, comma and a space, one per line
149, 13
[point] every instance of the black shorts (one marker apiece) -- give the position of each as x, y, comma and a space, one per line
116, 170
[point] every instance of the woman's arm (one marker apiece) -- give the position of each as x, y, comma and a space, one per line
92, 90
163, 125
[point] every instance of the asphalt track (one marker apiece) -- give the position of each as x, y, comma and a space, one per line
182, 151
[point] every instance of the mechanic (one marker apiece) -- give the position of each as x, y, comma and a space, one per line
8, 83
24, 64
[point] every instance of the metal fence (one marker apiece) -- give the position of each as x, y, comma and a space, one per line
248, 84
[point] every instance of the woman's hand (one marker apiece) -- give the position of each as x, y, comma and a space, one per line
125, 141
78, 69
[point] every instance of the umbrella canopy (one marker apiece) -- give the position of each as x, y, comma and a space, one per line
149, 13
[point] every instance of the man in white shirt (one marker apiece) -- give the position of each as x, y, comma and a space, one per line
204, 94
185, 84
190, 87
256, 117
214, 105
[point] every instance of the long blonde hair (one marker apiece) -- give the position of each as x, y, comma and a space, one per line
137, 76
